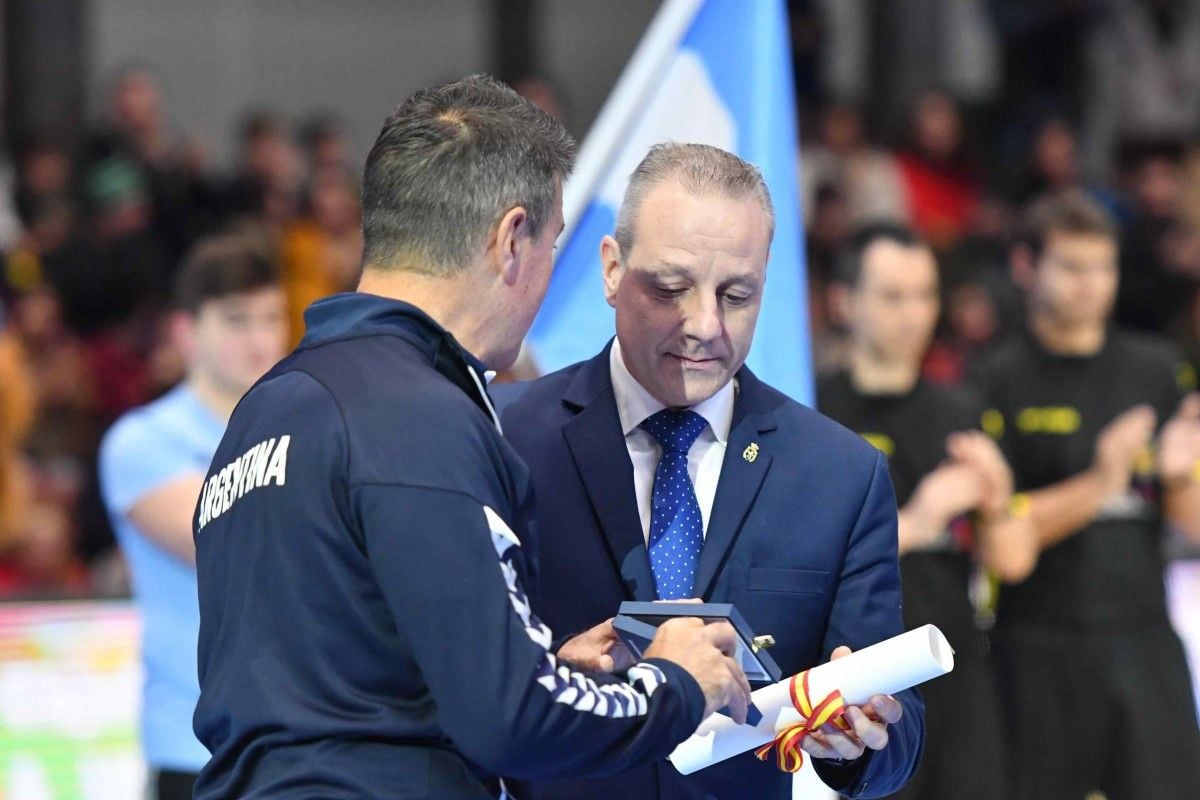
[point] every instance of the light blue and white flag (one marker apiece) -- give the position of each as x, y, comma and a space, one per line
716, 72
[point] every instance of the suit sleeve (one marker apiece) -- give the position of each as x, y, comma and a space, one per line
448, 567
867, 609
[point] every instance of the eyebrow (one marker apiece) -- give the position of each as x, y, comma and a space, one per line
670, 269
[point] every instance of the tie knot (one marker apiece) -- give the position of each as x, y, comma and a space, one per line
675, 430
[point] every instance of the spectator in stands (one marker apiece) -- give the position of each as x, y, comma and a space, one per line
971, 323
325, 143
16, 416
1054, 161
321, 252
43, 199
1142, 78
232, 326
181, 195
1160, 253
942, 185
868, 177
826, 236
37, 534
270, 172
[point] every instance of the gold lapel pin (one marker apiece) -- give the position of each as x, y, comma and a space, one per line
751, 452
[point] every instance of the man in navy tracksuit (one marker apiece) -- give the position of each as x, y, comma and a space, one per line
365, 631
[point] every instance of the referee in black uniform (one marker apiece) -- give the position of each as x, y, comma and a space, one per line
1104, 438
953, 491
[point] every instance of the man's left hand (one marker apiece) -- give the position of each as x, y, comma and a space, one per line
868, 723
597, 650
1179, 443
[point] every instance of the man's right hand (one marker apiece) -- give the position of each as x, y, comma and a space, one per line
950, 490
706, 651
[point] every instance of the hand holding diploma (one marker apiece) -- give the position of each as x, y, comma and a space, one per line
866, 726
812, 704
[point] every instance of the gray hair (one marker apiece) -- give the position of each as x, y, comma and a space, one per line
701, 170
449, 163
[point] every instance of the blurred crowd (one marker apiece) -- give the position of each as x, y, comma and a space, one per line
92, 230
1101, 96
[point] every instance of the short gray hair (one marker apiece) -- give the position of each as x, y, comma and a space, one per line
701, 170
449, 163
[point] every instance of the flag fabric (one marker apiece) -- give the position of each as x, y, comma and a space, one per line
716, 72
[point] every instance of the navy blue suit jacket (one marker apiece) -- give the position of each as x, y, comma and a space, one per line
802, 540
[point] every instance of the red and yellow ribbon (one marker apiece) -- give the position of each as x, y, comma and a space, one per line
787, 741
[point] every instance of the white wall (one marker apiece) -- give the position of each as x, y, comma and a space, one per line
218, 58
359, 58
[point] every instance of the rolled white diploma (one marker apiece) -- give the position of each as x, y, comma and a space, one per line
888, 667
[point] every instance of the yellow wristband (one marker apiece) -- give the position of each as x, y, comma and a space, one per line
1019, 505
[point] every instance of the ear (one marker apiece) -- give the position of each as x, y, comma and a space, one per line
181, 329
610, 262
1022, 267
840, 304
507, 247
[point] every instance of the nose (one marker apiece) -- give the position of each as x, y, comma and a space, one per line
704, 320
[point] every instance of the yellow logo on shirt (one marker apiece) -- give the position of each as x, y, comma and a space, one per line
751, 452
881, 442
1055, 420
992, 422
1185, 376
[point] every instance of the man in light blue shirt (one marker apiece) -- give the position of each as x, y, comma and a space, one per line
231, 326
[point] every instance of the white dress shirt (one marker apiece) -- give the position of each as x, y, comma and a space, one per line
635, 404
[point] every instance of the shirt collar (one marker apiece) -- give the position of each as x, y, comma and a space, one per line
635, 404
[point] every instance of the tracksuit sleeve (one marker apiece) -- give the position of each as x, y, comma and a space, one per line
449, 567
866, 610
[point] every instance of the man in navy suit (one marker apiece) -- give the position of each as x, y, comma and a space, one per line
664, 469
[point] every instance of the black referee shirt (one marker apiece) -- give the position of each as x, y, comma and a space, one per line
911, 430
1047, 411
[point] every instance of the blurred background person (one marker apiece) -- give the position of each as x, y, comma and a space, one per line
841, 155
325, 143
1141, 77
231, 326
266, 187
180, 194
321, 251
1160, 246
1102, 429
16, 417
953, 491
942, 183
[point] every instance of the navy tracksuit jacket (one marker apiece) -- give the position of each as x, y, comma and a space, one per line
365, 631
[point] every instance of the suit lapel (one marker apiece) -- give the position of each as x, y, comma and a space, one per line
598, 449
743, 470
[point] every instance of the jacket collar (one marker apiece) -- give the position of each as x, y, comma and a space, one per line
351, 315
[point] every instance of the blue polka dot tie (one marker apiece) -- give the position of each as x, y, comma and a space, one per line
676, 528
